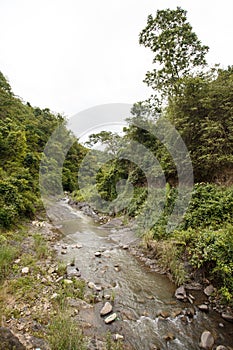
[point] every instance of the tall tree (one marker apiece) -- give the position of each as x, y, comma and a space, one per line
178, 51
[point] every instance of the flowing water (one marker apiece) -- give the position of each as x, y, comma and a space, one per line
138, 292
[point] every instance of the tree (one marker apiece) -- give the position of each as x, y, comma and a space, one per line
203, 116
107, 138
178, 51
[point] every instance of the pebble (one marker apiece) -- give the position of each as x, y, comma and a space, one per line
25, 270
119, 337
66, 281
110, 318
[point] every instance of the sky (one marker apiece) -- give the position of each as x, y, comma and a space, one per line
69, 55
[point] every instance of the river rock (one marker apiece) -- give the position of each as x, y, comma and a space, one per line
9, 341
91, 285
228, 317
203, 307
209, 290
163, 314
118, 337
98, 254
193, 286
72, 271
110, 318
169, 336
25, 270
207, 340
106, 309
180, 293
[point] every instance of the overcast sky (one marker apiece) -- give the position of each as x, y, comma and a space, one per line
70, 55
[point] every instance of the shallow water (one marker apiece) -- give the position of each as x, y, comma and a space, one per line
138, 292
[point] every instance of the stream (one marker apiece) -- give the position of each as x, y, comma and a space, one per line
139, 294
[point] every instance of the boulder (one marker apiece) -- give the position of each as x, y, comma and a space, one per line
110, 318
207, 340
106, 309
203, 307
72, 271
209, 290
180, 293
9, 341
228, 317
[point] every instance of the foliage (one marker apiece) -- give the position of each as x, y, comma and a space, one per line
203, 116
212, 250
176, 47
24, 131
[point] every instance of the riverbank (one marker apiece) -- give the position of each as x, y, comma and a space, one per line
44, 295
39, 299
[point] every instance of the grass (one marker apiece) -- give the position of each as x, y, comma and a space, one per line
7, 256
41, 247
64, 334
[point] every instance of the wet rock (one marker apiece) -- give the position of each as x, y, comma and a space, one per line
193, 286
207, 340
190, 312
98, 254
113, 223
91, 285
9, 341
128, 315
169, 336
79, 304
221, 347
25, 270
106, 309
203, 307
72, 271
176, 313
209, 290
163, 314
180, 293
228, 317
110, 318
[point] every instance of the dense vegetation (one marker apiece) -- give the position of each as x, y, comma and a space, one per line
24, 132
198, 101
